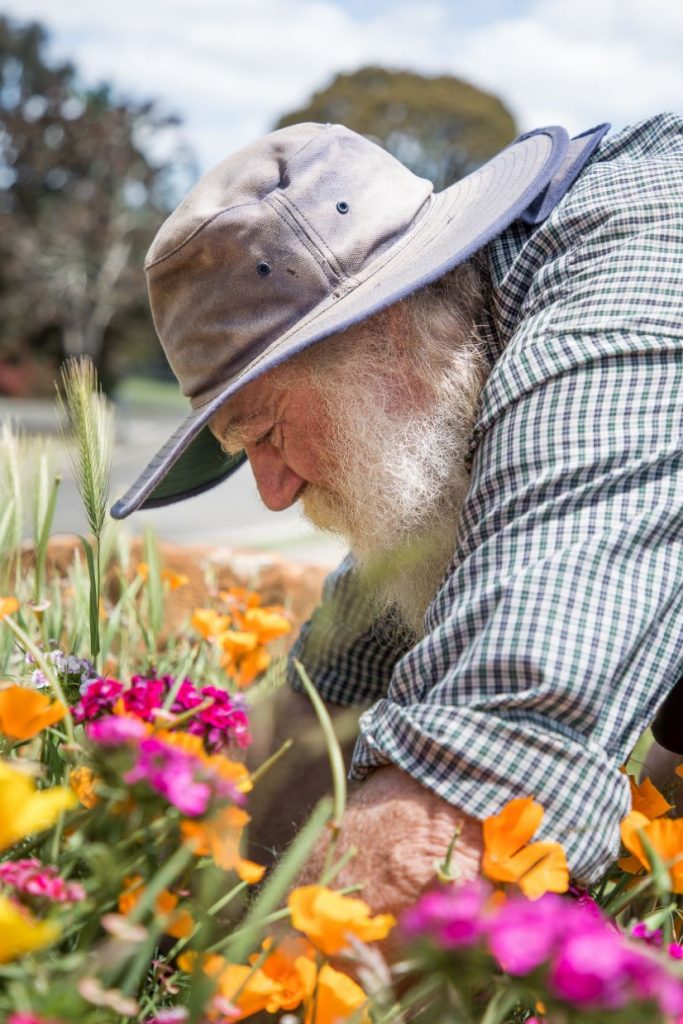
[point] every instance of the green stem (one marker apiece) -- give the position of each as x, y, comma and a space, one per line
259, 772
333, 749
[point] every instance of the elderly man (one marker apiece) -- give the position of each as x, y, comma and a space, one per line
482, 390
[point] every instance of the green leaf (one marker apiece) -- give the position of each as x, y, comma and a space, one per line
155, 590
659, 872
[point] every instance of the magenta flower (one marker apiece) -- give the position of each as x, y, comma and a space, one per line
594, 969
41, 881
452, 917
524, 933
98, 696
178, 776
115, 730
224, 722
143, 696
653, 937
30, 1018
187, 696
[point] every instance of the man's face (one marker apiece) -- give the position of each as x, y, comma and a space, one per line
283, 433
373, 454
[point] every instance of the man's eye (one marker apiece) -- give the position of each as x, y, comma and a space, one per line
264, 438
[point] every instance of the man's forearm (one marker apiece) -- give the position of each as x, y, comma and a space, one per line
400, 831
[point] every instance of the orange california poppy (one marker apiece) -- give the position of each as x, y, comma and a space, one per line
8, 606
24, 713
646, 798
509, 857
327, 918
666, 838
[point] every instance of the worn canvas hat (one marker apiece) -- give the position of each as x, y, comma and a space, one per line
295, 238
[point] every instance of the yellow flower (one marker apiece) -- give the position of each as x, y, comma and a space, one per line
20, 933
209, 623
82, 781
142, 569
8, 606
24, 713
647, 799
666, 838
337, 998
179, 924
327, 918
537, 867
220, 838
23, 809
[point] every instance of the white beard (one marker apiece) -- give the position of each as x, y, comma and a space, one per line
398, 479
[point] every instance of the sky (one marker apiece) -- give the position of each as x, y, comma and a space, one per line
230, 68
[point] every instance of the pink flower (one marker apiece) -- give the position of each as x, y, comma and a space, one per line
653, 937
524, 933
42, 881
594, 969
143, 696
115, 730
97, 696
30, 1018
179, 777
186, 698
224, 722
452, 917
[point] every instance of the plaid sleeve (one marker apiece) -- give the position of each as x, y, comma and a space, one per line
348, 653
560, 627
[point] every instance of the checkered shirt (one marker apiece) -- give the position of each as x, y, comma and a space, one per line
558, 629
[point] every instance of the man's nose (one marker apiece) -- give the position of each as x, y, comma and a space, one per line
278, 485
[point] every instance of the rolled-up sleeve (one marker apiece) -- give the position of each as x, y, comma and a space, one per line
559, 630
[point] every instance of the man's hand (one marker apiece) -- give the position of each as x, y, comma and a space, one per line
401, 831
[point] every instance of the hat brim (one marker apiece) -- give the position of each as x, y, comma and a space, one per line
453, 226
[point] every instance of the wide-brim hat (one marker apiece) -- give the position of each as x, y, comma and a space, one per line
297, 237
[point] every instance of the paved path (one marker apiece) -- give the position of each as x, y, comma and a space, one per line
230, 514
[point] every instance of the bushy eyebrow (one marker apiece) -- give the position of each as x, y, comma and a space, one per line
241, 430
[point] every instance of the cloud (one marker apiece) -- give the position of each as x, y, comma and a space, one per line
231, 67
582, 62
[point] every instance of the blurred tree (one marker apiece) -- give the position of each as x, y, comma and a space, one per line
85, 180
441, 128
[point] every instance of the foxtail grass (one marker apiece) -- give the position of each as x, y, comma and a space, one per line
88, 426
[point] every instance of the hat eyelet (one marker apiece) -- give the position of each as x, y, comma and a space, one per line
343, 206
263, 268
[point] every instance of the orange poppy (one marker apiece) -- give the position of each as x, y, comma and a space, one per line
666, 838
8, 606
327, 918
266, 623
82, 781
179, 924
220, 838
209, 623
337, 997
646, 798
509, 857
24, 713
